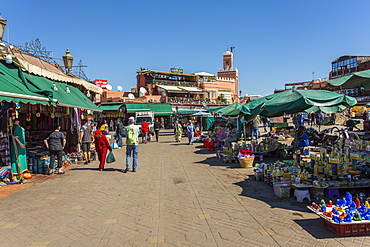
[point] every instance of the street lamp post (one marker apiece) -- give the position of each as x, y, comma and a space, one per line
2, 27
68, 61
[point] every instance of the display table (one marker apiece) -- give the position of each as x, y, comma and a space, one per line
344, 229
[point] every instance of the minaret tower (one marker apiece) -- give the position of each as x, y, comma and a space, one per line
229, 72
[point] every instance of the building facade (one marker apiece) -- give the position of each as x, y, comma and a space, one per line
347, 65
198, 88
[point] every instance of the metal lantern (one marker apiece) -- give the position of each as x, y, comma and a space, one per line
2, 27
68, 60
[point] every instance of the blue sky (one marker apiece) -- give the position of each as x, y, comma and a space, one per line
276, 41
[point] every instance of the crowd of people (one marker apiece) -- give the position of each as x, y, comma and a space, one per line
223, 134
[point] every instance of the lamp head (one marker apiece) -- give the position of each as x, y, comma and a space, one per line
68, 60
2, 27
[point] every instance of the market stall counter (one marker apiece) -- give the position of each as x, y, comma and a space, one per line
347, 218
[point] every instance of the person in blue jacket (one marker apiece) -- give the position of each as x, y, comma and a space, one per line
302, 137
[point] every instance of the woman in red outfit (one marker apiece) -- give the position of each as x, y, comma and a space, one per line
102, 146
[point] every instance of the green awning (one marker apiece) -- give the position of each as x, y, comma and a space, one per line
295, 100
361, 78
136, 107
110, 107
186, 112
230, 110
66, 95
161, 109
13, 89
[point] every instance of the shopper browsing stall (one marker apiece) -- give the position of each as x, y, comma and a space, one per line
86, 139
254, 127
55, 142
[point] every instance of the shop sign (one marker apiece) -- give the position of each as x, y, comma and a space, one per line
100, 82
175, 70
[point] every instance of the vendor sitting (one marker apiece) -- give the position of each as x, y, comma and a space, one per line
220, 136
232, 136
302, 138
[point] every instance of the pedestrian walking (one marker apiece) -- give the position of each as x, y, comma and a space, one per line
102, 146
144, 131
55, 142
111, 125
333, 118
157, 127
319, 118
162, 122
312, 118
120, 129
265, 122
254, 127
190, 131
132, 141
85, 140
178, 131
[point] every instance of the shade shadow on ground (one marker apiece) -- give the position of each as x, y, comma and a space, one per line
213, 161
316, 228
262, 191
258, 190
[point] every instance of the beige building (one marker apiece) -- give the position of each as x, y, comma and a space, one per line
198, 88
178, 88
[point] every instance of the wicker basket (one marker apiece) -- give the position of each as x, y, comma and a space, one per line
246, 162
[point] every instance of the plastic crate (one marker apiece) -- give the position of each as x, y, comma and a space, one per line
348, 229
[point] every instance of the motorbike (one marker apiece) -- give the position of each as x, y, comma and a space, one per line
331, 137
324, 137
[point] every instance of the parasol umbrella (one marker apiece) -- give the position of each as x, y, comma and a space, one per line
230, 110
293, 101
361, 78
326, 109
201, 114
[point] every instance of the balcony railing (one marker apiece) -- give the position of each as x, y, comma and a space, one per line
175, 83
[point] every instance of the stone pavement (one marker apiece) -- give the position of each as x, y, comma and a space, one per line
181, 195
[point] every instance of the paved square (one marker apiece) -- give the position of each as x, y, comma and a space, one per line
172, 200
